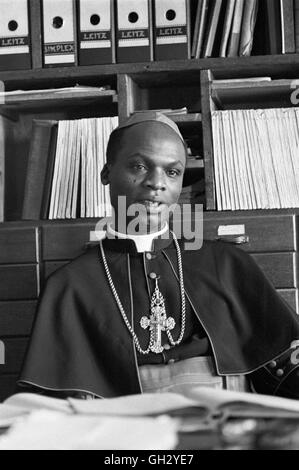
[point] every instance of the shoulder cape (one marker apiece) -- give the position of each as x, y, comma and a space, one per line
80, 342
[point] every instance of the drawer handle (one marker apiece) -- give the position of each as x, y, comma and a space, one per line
236, 239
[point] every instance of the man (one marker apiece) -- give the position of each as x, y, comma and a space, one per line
140, 312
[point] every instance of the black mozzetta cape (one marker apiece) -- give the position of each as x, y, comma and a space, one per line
80, 341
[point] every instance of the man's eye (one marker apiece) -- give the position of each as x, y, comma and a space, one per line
174, 172
139, 167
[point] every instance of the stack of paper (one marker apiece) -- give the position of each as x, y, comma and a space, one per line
51, 430
256, 158
80, 156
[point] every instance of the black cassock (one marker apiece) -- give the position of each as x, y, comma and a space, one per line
80, 341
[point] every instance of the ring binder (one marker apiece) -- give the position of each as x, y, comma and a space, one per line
14, 35
96, 32
59, 33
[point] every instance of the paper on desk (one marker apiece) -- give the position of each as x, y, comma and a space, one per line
21, 404
10, 414
51, 430
137, 405
31, 401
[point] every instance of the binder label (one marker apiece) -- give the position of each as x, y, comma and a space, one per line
16, 41
95, 36
14, 45
59, 52
132, 34
172, 31
139, 37
59, 48
171, 35
95, 39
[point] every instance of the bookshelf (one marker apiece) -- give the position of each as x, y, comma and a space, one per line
31, 250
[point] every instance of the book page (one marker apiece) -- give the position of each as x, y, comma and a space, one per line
146, 404
247, 175
83, 169
255, 159
217, 399
217, 157
77, 160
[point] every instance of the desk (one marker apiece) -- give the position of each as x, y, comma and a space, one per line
248, 434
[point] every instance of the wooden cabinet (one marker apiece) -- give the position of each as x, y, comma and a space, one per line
271, 239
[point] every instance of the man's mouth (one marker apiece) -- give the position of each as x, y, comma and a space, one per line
151, 205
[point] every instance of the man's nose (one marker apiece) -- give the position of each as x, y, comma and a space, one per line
156, 180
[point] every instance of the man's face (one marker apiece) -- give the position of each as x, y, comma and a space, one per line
148, 170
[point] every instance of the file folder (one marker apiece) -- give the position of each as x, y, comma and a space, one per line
14, 35
96, 32
171, 29
133, 31
59, 33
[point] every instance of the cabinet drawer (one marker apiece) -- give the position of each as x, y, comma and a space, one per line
19, 282
280, 268
18, 245
16, 317
266, 233
291, 297
65, 242
14, 350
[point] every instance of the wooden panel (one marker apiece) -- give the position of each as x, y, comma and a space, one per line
291, 297
207, 106
15, 349
187, 70
18, 245
16, 317
280, 268
7, 386
270, 233
51, 266
18, 282
65, 241
36, 34
131, 97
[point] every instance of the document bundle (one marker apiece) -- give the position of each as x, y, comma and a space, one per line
142, 421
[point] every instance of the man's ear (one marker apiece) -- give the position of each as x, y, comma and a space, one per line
105, 175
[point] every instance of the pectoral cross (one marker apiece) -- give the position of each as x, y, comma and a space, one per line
158, 321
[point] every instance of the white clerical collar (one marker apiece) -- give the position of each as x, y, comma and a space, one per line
142, 242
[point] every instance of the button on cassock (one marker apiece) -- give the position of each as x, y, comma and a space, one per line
152, 275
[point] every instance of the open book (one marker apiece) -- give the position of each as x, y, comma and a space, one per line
202, 403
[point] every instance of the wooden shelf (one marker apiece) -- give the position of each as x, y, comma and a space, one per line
286, 65
56, 98
189, 118
264, 92
194, 163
